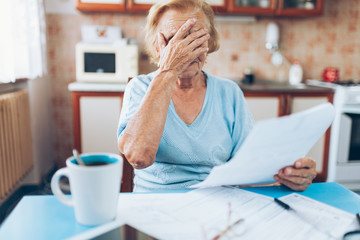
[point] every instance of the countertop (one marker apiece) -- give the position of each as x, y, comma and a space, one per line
258, 86
96, 87
277, 87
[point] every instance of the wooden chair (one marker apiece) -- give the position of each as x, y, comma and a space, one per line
127, 184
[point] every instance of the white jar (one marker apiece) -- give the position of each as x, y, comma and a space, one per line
295, 73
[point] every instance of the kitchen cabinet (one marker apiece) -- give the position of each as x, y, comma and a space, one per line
99, 116
276, 7
96, 111
280, 102
145, 5
264, 105
139, 5
224, 7
101, 5
252, 7
299, 7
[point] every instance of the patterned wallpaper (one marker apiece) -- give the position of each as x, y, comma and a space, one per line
331, 40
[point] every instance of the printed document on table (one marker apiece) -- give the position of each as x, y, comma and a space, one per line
271, 145
205, 212
328, 219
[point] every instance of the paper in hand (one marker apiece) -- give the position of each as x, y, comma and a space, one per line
271, 145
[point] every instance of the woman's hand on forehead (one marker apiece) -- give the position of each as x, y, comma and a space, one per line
188, 43
170, 30
184, 30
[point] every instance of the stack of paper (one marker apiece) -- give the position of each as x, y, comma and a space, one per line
204, 213
271, 145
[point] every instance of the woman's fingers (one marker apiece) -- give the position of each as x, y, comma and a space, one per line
305, 162
177, 54
197, 42
194, 36
302, 186
161, 41
184, 29
299, 176
293, 172
199, 53
202, 56
190, 42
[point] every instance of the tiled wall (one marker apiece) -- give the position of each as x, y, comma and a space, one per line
331, 40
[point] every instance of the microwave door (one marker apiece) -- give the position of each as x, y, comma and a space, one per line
99, 63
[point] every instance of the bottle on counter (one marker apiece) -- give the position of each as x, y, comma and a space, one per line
295, 73
248, 76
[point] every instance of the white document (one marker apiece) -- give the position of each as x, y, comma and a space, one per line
271, 145
207, 212
153, 214
332, 221
199, 214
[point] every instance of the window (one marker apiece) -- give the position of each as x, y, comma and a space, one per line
23, 40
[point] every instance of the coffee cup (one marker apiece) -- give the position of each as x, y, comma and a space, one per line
94, 187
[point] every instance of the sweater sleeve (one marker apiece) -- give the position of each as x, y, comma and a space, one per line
134, 93
243, 123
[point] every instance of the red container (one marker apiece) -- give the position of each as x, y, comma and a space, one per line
331, 75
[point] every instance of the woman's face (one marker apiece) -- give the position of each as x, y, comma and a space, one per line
169, 24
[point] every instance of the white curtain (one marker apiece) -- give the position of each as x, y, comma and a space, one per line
22, 39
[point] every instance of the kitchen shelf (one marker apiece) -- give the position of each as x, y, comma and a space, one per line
220, 7
101, 5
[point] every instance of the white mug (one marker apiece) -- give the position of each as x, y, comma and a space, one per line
94, 189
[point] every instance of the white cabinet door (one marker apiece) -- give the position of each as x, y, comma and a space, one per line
263, 107
99, 118
302, 103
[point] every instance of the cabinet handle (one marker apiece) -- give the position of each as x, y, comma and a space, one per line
288, 104
285, 105
282, 105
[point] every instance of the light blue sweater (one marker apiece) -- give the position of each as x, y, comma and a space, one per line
187, 153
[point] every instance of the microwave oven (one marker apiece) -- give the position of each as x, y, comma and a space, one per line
106, 63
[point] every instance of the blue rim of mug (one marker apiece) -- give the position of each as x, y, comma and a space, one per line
96, 157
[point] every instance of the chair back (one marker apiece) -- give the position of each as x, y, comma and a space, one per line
127, 183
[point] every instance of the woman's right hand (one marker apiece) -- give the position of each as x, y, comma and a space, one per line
184, 48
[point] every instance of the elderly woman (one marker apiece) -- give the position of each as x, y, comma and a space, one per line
178, 122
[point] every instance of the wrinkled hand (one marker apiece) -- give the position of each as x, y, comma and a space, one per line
299, 176
184, 48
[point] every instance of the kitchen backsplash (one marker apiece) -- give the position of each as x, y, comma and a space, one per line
331, 40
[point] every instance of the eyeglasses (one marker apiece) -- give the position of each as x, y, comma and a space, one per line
353, 235
232, 229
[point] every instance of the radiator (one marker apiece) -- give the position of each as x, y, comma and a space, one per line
16, 156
